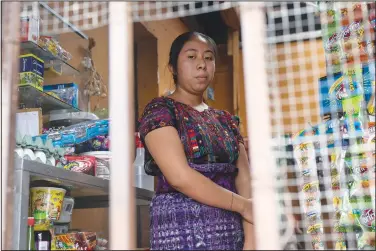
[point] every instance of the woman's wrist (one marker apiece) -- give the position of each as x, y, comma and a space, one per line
238, 204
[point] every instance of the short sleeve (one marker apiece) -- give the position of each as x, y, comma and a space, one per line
234, 122
157, 114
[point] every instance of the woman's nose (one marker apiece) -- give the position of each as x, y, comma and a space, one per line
201, 64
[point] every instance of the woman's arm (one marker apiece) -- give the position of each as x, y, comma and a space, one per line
243, 186
167, 150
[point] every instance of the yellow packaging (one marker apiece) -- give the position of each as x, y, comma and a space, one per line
31, 71
64, 242
46, 203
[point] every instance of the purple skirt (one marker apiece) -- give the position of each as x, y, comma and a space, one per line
180, 223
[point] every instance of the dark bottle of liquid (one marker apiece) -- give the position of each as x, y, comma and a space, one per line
43, 240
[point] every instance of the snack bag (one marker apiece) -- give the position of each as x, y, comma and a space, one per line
366, 240
81, 164
311, 194
369, 87
86, 240
63, 242
364, 213
359, 170
316, 232
340, 242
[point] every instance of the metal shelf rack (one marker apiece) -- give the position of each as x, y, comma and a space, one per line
88, 191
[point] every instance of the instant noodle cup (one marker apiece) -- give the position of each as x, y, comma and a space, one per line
46, 204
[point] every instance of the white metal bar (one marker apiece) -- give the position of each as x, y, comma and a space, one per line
122, 202
295, 37
63, 20
10, 13
259, 129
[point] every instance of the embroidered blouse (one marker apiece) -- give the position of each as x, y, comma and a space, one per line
209, 136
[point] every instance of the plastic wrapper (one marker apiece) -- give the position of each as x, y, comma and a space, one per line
77, 133
53, 46
68, 92
74, 241
364, 213
86, 240
81, 164
344, 36
369, 76
359, 174
98, 143
63, 242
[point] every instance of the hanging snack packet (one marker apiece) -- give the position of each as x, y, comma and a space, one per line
340, 242
316, 234
364, 213
312, 197
369, 87
359, 170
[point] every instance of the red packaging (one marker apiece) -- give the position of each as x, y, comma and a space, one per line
81, 164
86, 240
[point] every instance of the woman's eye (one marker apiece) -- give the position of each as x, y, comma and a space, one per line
191, 57
209, 58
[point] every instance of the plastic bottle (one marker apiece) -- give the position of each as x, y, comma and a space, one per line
43, 240
142, 180
30, 233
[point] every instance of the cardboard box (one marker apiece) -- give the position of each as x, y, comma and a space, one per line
29, 30
69, 92
29, 122
31, 71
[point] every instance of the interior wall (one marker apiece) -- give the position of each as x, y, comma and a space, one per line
165, 31
222, 82
147, 75
76, 45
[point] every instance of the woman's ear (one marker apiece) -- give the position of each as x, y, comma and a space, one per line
171, 69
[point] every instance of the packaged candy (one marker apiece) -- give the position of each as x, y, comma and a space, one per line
317, 243
69, 93
63, 242
369, 86
81, 164
98, 143
314, 217
77, 134
366, 240
359, 170
74, 241
348, 34
31, 71
340, 242
86, 240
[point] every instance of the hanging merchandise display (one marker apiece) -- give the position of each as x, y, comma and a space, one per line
345, 141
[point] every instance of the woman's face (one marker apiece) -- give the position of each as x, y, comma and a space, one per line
196, 66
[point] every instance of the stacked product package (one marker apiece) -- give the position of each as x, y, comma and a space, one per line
336, 159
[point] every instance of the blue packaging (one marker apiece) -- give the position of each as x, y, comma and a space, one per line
368, 80
32, 64
68, 92
333, 89
31, 71
77, 134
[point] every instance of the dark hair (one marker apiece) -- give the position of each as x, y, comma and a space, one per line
178, 44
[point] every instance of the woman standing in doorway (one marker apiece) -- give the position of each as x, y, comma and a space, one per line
202, 200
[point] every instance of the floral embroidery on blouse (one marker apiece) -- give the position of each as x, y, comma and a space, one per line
210, 136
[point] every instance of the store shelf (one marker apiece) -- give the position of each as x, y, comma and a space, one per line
31, 47
88, 191
143, 198
79, 183
31, 97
